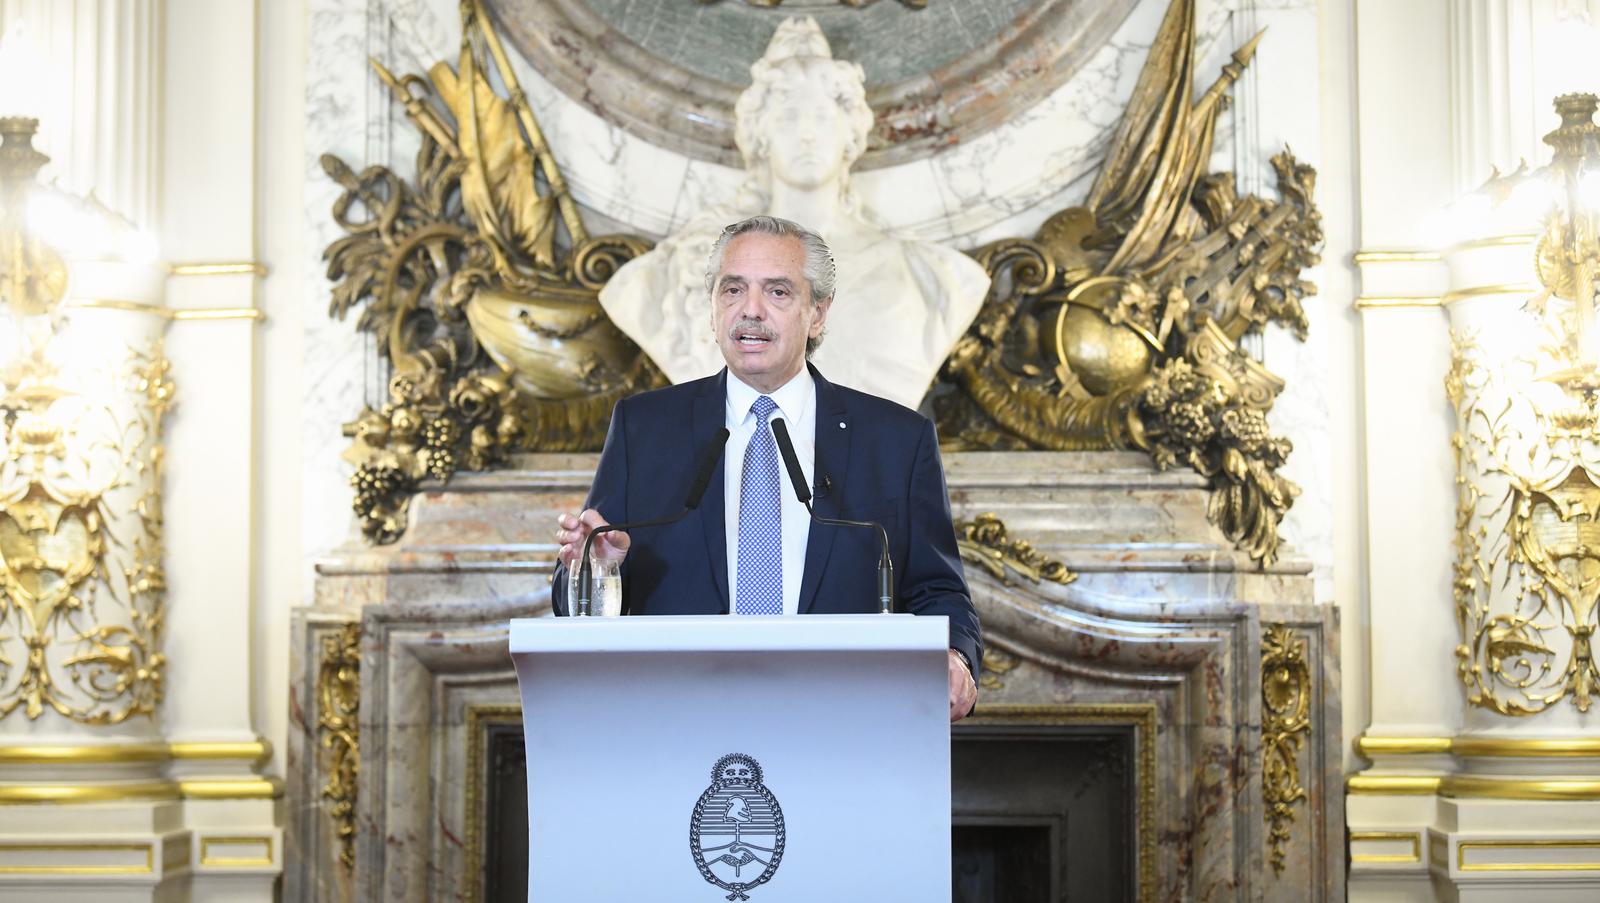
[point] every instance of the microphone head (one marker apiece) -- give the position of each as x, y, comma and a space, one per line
797, 479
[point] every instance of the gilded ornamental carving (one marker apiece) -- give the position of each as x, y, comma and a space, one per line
1118, 326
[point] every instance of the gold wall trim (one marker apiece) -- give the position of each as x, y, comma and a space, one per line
1479, 786
148, 849
137, 307
248, 267
1393, 784
1463, 786
207, 843
1396, 257
1478, 291
1465, 845
1494, 241
1572, 748
12, 794
219, 313
1482, 747
169, 313
257, 751
479, 719
260, 788
1402, 746
263, 788
1387, 302
1412, 837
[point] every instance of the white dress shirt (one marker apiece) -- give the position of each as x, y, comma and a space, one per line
797, 404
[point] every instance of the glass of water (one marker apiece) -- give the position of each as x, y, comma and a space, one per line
605, 588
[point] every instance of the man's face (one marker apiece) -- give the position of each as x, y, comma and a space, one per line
806, 132
761, 309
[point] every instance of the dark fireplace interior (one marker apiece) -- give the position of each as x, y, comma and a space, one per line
1040, 813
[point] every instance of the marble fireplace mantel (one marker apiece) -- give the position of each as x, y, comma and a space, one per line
1163, 632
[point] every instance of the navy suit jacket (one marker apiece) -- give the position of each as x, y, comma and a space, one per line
875, 461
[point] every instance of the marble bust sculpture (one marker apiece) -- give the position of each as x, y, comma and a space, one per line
900, 305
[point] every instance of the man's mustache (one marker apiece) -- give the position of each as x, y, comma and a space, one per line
753, 328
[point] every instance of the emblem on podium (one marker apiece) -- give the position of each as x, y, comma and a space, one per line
736, 833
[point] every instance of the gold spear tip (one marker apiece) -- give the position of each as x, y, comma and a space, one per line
1245, 54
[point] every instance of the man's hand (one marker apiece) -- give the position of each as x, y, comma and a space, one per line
572, 531
963, 691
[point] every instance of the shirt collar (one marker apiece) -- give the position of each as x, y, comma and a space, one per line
793, 397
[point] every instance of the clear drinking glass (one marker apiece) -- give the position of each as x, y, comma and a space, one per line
605, 588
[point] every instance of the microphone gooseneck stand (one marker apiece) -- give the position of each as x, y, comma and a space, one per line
797, 478
582, 604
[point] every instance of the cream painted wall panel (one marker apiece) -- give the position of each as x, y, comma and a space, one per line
1410, 500
1403, 118
208, 199
1340, 327
208, 131
281, 570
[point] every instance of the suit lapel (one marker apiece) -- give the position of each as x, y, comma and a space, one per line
832, 443
710, 414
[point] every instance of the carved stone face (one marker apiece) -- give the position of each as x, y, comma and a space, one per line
805, 131
761, 309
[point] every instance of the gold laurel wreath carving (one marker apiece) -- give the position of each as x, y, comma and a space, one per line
1285, 724
338, 708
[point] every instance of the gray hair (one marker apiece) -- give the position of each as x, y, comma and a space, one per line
819, 268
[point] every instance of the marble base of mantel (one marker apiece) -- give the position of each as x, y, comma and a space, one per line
1163, 624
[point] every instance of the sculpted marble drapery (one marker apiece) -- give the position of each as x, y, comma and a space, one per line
900, 305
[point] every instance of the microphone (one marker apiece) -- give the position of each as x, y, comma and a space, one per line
697, 490
780, 432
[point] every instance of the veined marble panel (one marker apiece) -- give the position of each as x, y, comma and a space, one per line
1164, 616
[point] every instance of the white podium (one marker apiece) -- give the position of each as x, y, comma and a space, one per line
773, 759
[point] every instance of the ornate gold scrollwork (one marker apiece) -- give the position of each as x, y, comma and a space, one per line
338, 707
1119, 324
983, 541
1285, 724
83, 608
481, 285
1529, 523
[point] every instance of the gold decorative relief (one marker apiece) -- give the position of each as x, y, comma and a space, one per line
1285, 724
83, 609
997, 663
1526, 392
480, 284
338, 706
1119, 325
983, 541
1527, 569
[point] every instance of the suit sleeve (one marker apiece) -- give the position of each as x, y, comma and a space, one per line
932, 581
608, 494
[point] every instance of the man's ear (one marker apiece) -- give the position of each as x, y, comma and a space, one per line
819, 317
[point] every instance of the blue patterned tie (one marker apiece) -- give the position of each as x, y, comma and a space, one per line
760, 521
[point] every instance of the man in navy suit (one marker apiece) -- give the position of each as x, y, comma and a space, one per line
751, 548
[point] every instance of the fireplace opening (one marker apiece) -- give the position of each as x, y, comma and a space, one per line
1043, 812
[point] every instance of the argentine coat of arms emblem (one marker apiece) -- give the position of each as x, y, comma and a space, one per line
736, 834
